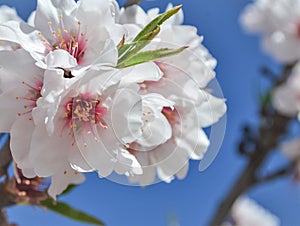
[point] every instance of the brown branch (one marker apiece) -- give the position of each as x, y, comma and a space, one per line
5, 158
7, 199
3, 218
132, 2
284, 171
272, 126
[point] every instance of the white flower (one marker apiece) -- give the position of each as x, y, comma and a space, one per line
285, 98
21, 87
7, 14
172, 133
92, 120
182, 110
246, 212
279, 23
65, 34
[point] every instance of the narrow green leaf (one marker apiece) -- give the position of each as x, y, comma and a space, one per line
68, 211
149, 30
68, 189
157, 22
135, 47
151, 55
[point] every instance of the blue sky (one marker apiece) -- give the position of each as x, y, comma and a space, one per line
193, 199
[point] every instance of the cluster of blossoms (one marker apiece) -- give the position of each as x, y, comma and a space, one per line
86, 86
246, 212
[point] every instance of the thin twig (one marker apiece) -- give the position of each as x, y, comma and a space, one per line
284, 171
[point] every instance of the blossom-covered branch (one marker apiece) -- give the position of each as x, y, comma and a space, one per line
272, 127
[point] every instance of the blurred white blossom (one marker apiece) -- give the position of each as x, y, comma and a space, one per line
286, 97
279, 24
246, 212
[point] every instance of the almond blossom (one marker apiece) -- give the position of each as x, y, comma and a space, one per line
246, 212
286, 97
21, 87
68, 100
91, 120
67, 31
182, 110
278, 23
176, 107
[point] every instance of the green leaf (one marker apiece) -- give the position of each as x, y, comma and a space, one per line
151, 55
148, 32
135, 47
68, 211
68, 189
157, 22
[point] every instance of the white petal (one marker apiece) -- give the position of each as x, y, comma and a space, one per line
8, 13
169, 159
62, 178
96, 149
60, 59
143, 72
127, 164
21, 134
210, 110
90, 11
51, 11
126, 115
45, 151
133, 15
183, 171
23, 34
77, 161
107, 55
149, 173
28, 172
155, 132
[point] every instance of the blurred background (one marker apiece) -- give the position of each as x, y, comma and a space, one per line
192, 201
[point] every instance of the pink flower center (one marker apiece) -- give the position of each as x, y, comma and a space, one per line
31, 97
83, 111
74, 42
171, 115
